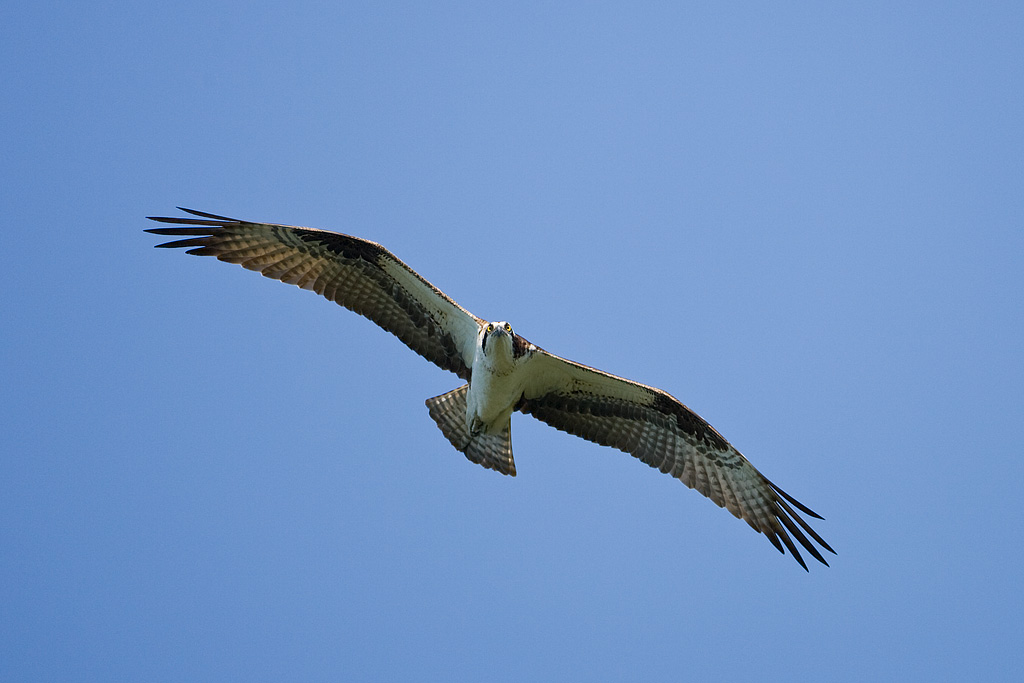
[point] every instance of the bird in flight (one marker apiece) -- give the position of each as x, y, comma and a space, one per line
503, 372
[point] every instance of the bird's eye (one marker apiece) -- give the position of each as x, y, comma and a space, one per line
508, 328
490, 328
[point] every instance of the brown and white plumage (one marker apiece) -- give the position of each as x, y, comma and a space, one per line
505, 373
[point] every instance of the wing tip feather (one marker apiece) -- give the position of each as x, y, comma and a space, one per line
788, 519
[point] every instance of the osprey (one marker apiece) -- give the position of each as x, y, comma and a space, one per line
504, 372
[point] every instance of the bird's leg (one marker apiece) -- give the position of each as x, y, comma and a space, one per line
476, 426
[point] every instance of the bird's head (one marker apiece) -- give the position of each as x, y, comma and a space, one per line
496, 341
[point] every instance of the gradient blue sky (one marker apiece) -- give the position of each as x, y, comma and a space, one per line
805, 221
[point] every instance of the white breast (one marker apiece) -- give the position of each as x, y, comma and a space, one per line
495, 388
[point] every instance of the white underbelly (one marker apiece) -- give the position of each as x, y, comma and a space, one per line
492, 398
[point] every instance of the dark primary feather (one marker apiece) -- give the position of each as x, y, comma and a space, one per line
355, 273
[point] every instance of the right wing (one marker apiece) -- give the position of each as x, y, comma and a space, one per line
356, 273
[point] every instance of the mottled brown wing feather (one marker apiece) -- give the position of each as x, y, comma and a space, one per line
659, 430
356, 273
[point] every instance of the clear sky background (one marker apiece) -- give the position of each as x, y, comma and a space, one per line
802, 220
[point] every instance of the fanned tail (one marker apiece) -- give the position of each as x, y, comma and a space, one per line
493, 451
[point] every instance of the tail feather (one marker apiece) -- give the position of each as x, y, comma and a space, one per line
493, 451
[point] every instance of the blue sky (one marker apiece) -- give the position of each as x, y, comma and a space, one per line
802, 220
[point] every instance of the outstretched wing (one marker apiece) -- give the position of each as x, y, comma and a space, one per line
356, 273
659, 430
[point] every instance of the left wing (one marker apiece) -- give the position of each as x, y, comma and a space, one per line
356, 273
659, 430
